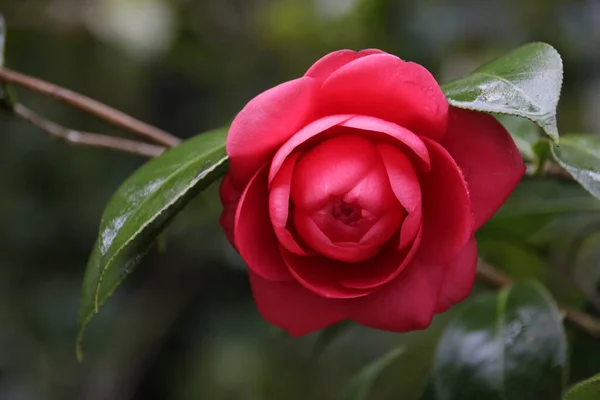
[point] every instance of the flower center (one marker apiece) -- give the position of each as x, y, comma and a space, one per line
348, 213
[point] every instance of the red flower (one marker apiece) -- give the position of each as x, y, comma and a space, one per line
354, 192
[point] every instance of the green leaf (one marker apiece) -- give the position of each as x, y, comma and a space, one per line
524, 132
525, 82
579, 154
509, 345
141, 208
586, 390
360, 385
546, 197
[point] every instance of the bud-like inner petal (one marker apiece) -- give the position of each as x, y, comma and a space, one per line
345, 208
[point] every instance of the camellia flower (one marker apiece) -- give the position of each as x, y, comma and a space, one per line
354, 193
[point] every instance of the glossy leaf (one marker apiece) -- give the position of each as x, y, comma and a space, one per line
509, 345
360, 385
141, 208
580, 156
524, 132
525, 82
546, 197
586, 390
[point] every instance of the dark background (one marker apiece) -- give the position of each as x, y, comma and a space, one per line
184, 325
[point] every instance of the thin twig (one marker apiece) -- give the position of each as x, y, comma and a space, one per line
91, 106
575, 317
84, 138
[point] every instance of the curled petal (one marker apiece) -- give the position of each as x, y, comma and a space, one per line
382, 230
290, 306
384, 86
406, 187
447, 218
459, 277
367, 126
253, 233
265, 123
373, 193
309, 131
390, 263
279, 206
404, 304
333, 61
403, 179
331, 169
322, 275
318, 240
414, 146
410, 227
488, 158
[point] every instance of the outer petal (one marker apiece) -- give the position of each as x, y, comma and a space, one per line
290, 306
406, 303
384, 86
267, 122
488, 157
253, 232
230, 197
447, 218
459, 277
333, 61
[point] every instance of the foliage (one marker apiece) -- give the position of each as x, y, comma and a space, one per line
547, 231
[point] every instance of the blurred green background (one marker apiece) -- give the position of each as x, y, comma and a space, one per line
184, 325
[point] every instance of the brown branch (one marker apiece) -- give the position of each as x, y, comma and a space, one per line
91, 106
573, 316
84, 138
558, 171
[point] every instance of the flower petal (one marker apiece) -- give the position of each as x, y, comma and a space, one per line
404, 304
279, 206
410, 227
402, 176
350, 252
290, 306
230, 197
406, 187
373, 128
322, 275
332, 168
447, 218
254, 237
459, 277
488, 158
401, 136
386, 87
308, 132
377, 272
333, 61
267, 122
